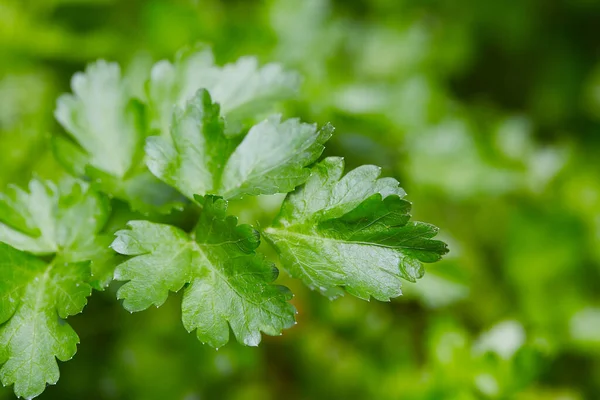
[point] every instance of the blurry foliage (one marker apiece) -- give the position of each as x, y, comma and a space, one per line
488, 112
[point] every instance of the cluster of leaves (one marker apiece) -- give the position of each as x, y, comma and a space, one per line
446, 97
190, 144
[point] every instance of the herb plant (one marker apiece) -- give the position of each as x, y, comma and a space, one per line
200, 136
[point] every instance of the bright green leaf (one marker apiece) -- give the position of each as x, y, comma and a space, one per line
201, 159
103, 118
109, 125
65, 221
352, 231
35, 298
229, 284
243, 89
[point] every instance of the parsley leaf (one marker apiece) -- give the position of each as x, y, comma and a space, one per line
63, 223
109, 126
201, 159
35, 298
352, 231
229, 284
243, 89
103, 118
64, 220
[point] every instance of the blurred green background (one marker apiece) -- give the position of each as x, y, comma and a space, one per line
488, 112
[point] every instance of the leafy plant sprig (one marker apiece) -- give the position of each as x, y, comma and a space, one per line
198, 139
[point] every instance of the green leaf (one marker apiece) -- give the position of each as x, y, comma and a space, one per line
35, 298
65, 221
103, 118
352, 231
243, 89
201, 159
108, 123
229, 284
